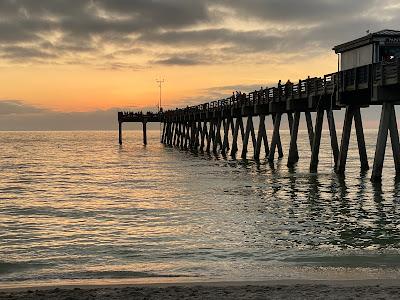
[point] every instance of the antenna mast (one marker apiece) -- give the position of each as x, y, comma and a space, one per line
160, 82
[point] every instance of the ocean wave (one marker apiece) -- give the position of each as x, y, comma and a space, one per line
82, 275
15, 267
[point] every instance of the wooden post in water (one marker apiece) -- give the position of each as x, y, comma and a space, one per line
362, 150
310, 128
388, 123
249, 131
315, 137
204, 135
120, 132
261, 136
316, 141
293, 152
238, 125
225, 144
163, 132
352, 112
176, 133
333, 135
167, 128
276, 139
210, 136
171, 135
217, 138
144, 133
187, 137
182, 137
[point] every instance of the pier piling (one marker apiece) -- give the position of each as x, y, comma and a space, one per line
388, 123
352, 112
120, 132
144, 133
316, 141
293, 152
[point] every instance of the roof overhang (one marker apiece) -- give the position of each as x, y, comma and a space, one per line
384, 36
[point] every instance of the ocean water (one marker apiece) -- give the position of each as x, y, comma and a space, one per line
76, 206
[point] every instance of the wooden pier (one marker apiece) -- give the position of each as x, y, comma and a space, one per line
207, 127
131, 117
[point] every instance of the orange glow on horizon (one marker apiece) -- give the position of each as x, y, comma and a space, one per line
78, 88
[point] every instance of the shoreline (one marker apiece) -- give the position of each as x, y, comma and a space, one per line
215, 283
274, 289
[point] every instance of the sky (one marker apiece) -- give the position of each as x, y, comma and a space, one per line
71, 64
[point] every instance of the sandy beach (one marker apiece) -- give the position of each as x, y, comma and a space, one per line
368, 289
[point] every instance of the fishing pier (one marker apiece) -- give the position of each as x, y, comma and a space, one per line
369, 74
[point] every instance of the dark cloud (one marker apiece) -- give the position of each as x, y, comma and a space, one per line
185, 59
18, 115
179, 61
14, 107
300, 12
43, 30
25, 53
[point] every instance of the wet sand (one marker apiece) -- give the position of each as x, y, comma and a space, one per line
368, 289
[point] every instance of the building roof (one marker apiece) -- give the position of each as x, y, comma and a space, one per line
368, 39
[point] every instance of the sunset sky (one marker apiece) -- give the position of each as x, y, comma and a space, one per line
69, 57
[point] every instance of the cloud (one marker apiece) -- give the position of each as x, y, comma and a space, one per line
92, 32
15, 107
185, 59
302, 12
19, 115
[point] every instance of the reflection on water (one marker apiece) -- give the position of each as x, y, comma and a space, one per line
75, 205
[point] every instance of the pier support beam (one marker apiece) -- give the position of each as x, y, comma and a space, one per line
362, 150
225, 144
120, 132
310, 128
277, 143
163, 133
217, 137
262, 136
293, 151
167, 128
333, 136
276, 138
316, 140
249, 131
187, 136
352, 112
183, 134
238, 126
145, 133
388, 123
171, 136
210, 137
204, 135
